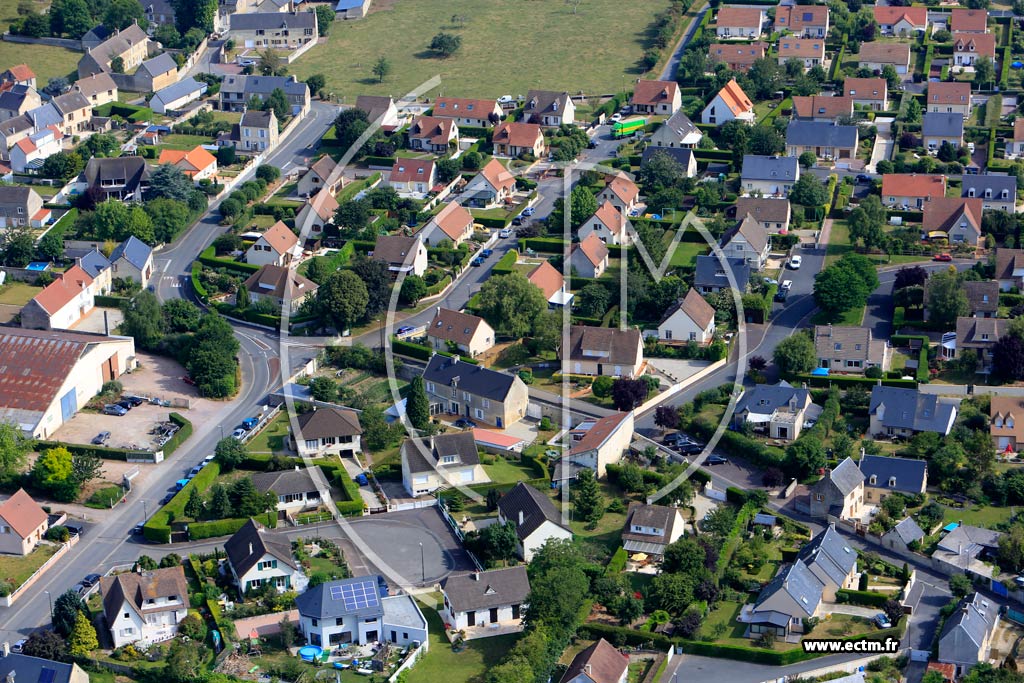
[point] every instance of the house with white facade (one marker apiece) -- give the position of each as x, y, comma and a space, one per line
481, 603
327, 431
359, 611
594, 444
535, 517
62, 304
278, 246
730, 104
256, 557
144, 607
445, 460
296, 490
608, 223
691, 318
23, 523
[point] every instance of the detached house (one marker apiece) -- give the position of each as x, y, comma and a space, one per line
980, 335
589, 257
778, 411
683, 156
513, 139
1010, 269
452, 224
768, 175
869, 93
492, 186
317, 176
29, 154
153, 75
433, 134
176, 96
456, 387
967, 549
401, 254
281, 286
942, 127
599, 663
379, 108
910, 190
474, 601
1007, 423
256, 557
731, 103
468, 112
1015, 145
849, 349
772, 213
359, 610
969, 47
622, 192
413, 177
316, 214
18, 100
258, 131
739, 22
903, 535
20, 74
552, 285
781, 606
953, 218
600, 351
22, 524
875, 56
997, 192
608, 224
840, 493
327, 431
809, 51
711, 276
535, 517
197, 163
806, 21
748, 240
895, 411
62, 304
884, 476
144, 607
456, 331
595, 444
657, 97
278, 246
296, 490
968, 20
822, 107
949, 97
899, 21
737, 56
966, 637
441, 461
825, 140
690, 319
132, 260
649, 529
549, 108
982, 298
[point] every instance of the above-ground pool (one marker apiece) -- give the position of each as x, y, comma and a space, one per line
38, 266
310, 652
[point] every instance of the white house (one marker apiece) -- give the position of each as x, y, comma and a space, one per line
359, 611
599, 663
62, 303
296, 490
731, 103
649, 529
440, 461
22, 524
29, 153
535, 517
316, 213
328, 431
595, 444
401, 254
691, 319
452, 224
589, 256
608, 223
144, 607
278, 246
622, 192
479, 600
255, 557
748, 240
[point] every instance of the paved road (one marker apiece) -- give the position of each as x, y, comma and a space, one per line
209, 58
878, 314
669, 72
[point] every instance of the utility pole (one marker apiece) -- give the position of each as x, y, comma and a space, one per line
50, 600
423, 566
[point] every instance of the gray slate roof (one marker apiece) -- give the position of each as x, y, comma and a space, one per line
317, 602
970, 540
159, 65
942, 124
797, 580
425, 454
15, 195
263, 85
42, 116
980, 183
708, 267
535, 507
477, 380
285, 482
982, 295
821, 134
780, 169
909, 409
249, 544
846, 476
907, 531
831, 553
483, 590
273, 20
133, 250
93, 263
910, 475
27, 669
764, 398
328, 422
751, 230
973, 617
184, 87
681, 155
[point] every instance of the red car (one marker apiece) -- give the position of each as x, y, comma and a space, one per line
942, 257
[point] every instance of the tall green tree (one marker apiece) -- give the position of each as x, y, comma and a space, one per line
342, 300
984, 71
53, 472
946, 299
417, 406
795, 354
511, 304
586, 497
14, 450
66, 609
324, 19
190, 14
121, 14
82, 641
381, 68
170, 182
194, 504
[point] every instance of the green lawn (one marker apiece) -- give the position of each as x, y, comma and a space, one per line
18, 569
45, 61
985, 516
853, 317
838, 242
686, 253
468, 666
271, 439
18, 293
614, 33
183, 142
505, 471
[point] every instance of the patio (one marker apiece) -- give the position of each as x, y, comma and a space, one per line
501, 628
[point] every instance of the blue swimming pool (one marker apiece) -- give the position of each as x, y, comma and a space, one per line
310, 652
38, 266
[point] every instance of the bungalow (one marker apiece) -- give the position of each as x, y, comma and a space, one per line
805, 21
468, 112
747, 240
895, 411
296, 490
22, 524
942, 127
589, 257
772, 176
441, 461
980, 335
479, 599
822, 108
122, 178
278, 246
681, 155
782, 605
903, 535
772, 213
256, 558
1006, 426
901, 21
514, 139
809, 51
132, 260
738, 56
884, 476
608, 224
29, 154
955, 219
997, 192
62, 304
451, 225
327, 431
678, 131
966, 637
601, 662
433, 134
597, 351
622, 192
281, 286
649, 529
413, 178
875, 56
969, 47
840, 493
776, 410
710, 274
535, 518
825, 140
739, 22
143, 608
849, 349
456, 387
870, 93
594, 444
1009, 269
968, 21
549, 108
1015, 145
492, 186
359, 610
456, 331
982, 298
967, 549
551, 284
378, 108
657, 97
690, 319
951, 97
197, 163
730, 104
401, 254
317, 176
176, 96
910, 190
316, 214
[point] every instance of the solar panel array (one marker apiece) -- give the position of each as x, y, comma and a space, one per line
357, 594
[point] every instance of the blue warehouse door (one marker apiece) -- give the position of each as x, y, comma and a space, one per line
68, 405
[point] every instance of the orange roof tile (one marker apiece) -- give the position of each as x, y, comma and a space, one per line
498, 176
737, 55
191, 162
866, 88
981, 43
611, 217
464, 108
61, 291
974, 20
453, 219
22, 513
740, 17
22, 72
913, 185
592, 248
651, 93
884, 53
890, 16
547, 278
822, 107
805, 48
798, 17
624, 188
280, 237
407, 170
734, 97
517, 134
949, 93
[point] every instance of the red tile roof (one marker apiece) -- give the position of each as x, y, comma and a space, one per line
820, 106
980, 43
740, 17
611, 217
624, 188
453, 219
280, 237
913, 185
975, 20
949, 93
464, 108
866, 88
1018, 129
884, 53
734, 98
409, 170
22, 72
61, 291
22, 513
651, 93
798, 17
190, 162
433, 128
803, 48
547, 278
498, 176
518, 134
890, 16
941, 212
593, 248
738, 55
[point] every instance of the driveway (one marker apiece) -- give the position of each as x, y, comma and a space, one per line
851, 610
883, 144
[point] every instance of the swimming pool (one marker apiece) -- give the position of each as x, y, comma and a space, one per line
38, 266
310, 652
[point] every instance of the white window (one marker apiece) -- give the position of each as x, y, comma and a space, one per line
430, 387
479, 414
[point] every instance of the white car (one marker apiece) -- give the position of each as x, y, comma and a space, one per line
616, 117
18, 646
795, 262
970, 147
504, 98
505, 232
238, 434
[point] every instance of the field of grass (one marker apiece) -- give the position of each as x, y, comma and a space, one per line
985, 516
469, 666
853, 317
546, 41
271, 439
505, 471
686, 253
838, 242
183, 142
17, 293
18, 569
46, 61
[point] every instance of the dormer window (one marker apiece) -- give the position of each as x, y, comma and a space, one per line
874, 479
892, 482
449, 459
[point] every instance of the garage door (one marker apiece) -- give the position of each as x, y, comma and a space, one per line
920, 655
1004, 441
68, 405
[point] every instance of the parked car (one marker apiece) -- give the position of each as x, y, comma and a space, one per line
180, 484
101, 439
882, 621
716, 460
616, 117
477, 262
127, 405
486, 253
91, 580
465, 423
134, 400
194, 471
115, 409
942, 257
690, 448
361, 479
80, 588
18, 646
166, 499
208, 459
795, 262
74, 528
137, 529
518, 220
505, 233
250, 423
238, 433
529, 211
862, 178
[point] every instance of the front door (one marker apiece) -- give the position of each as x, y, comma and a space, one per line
600, 369
471, 618
455, 408
494, 615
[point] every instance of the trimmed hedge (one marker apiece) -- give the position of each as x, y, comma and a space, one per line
225, 527
380, 161
104, 452
184, 431
109, 301
158, 527
618, 562
422, 352
738, 444
208, 258
851, 380
863, 598
197, 285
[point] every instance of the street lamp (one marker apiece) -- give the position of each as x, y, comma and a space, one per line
145, 514
50, 600
423, 566
221, 431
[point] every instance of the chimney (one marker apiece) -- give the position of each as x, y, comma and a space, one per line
476, 576
830, 330
438, 311
520, 517
250, 549
455, 360
587, 668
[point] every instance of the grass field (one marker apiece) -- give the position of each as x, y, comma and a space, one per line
545, 40
505, 471
686, 253
183, 142
18, 293
18, 569
468, 666
271, 439
46, 61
